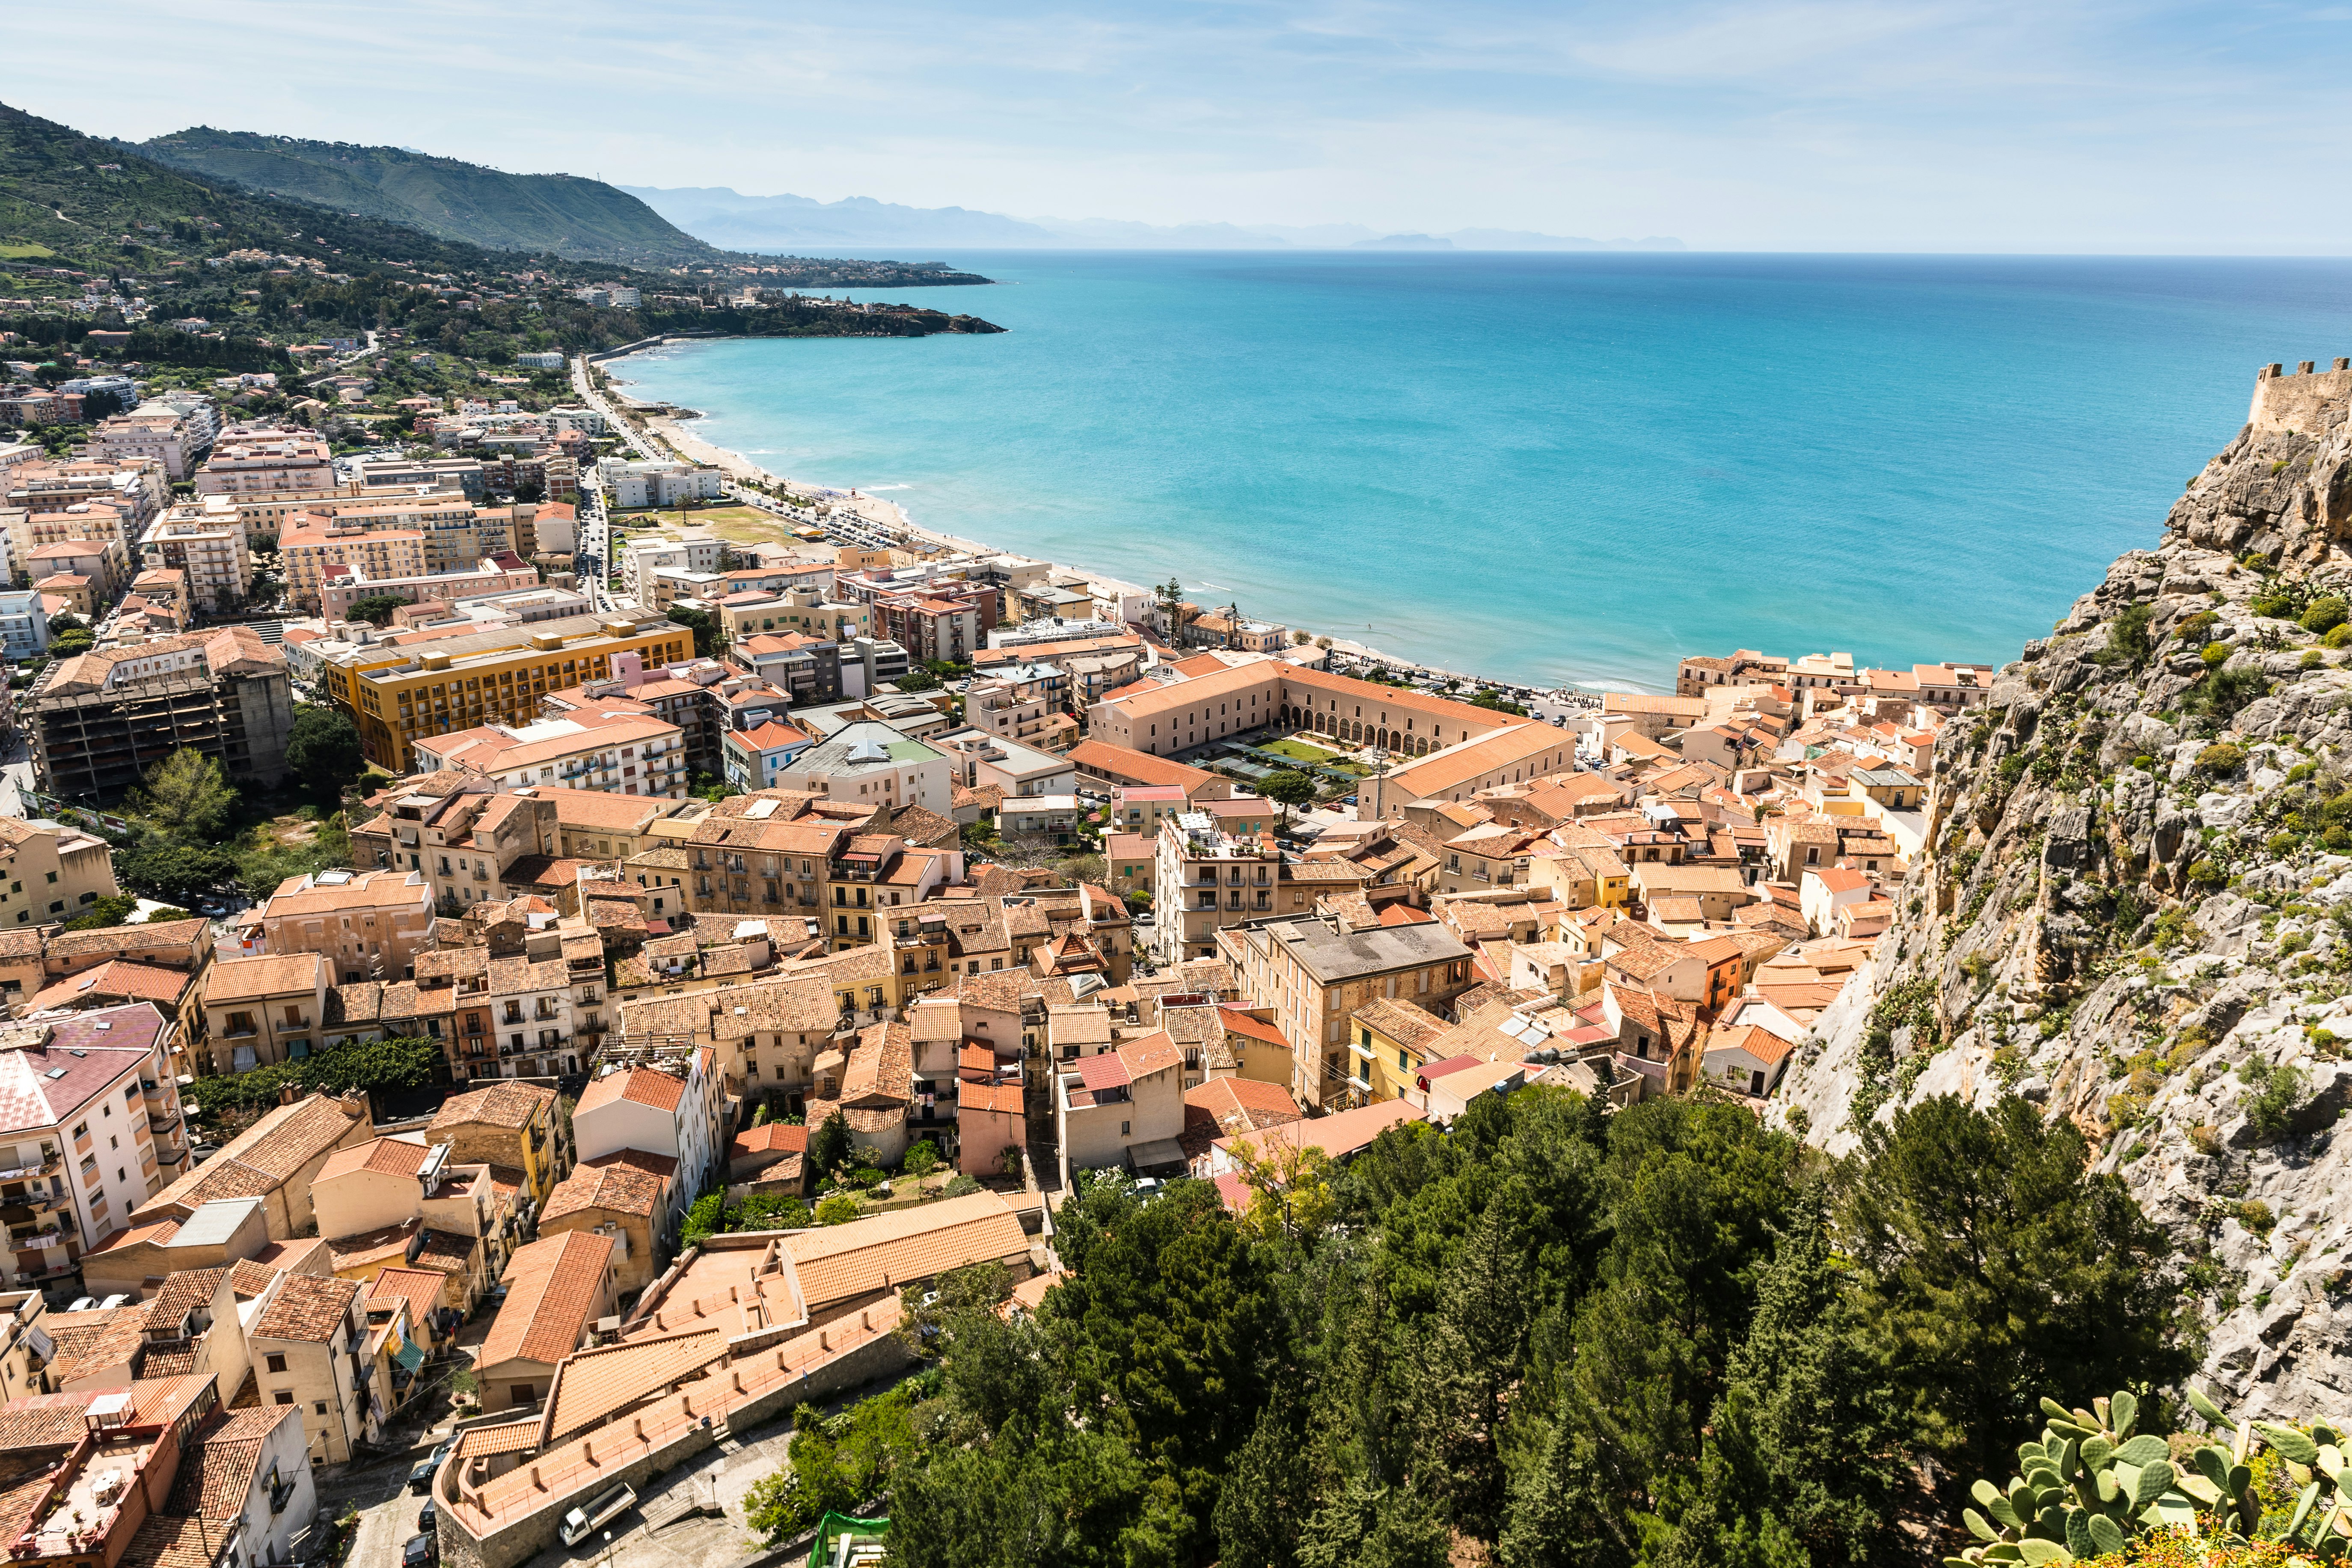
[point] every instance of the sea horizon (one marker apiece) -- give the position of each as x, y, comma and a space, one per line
1551, 467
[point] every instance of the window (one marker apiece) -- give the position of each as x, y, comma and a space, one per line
1123, 1129
283, 1397
276, 1363
319, 1405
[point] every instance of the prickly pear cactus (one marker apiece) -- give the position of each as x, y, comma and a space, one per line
2090, 1485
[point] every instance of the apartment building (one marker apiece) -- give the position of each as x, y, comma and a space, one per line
272, 1164
870, 763
100, 719
367, 925
24, 625
254, 462
50, 872
509, 1126
500, 1017
263, 1010
645, 560
308, 554
626, 1196
154, 431
308, 1347
395, 695
635, 484
458, 535
138, 485
91, 1128
616, 752
656, 1101
502, 573
460, 474
207, 539
1310, 971
90, 571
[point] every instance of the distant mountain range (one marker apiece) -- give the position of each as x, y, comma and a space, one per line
584, 220
800, 223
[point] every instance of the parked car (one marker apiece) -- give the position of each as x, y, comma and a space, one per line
420, 1478
428, 1518
420, 1552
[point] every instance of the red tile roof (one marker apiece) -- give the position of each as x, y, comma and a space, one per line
554, 1286
641, 1086
307, 1307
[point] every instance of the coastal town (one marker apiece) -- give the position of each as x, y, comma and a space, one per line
780, 908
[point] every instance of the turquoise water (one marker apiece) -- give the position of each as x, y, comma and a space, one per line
1553, 467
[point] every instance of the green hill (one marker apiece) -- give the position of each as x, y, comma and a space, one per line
582, 219
89, 204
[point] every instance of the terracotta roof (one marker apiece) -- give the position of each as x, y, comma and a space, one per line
180, 1541
216, 1477
779, 1137
180, 1294
554, 1286
88, 1343
626, 1182
420, 1288
250, 978
503, 1104
117, 978
401, 1156
261, 1157
641, 1086
366, 1247
885, 1251
1338, 1136
307, 1307
591, 1384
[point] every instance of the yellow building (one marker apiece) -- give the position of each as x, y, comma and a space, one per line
1389, 1041
395, 694
49, 872
307, 553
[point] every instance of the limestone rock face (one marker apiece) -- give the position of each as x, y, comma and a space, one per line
2151, 936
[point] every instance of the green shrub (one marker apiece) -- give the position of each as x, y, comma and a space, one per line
2215, 655
2127, 639
2278, 1093
2205, 874
2220, 759
961, 1186
836, 1208
2312, 660
2341, 637
2326, 612
2256, 1216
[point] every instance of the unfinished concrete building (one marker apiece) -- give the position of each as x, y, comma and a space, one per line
100, 719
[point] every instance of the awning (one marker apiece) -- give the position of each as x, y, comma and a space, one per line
411, 1355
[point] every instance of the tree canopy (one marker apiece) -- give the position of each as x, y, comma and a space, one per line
323, 751
1546, 1335
187, 795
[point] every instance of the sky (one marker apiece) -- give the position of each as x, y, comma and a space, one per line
1873, 125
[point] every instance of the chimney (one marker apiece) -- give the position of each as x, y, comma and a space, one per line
1085, 902
285, 1094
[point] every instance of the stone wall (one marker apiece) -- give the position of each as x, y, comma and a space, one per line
883, 1355
2285, 401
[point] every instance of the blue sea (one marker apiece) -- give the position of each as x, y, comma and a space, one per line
1551, 468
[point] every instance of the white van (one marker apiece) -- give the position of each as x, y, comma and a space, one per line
581, 1522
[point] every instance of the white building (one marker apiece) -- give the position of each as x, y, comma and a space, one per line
643, 484
540, 360
645, 559
207, 539
661, 1101
91, 1131
869, 761
619, 752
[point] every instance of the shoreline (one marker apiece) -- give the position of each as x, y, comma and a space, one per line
671, 428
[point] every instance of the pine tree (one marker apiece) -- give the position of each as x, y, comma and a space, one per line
1559, 1515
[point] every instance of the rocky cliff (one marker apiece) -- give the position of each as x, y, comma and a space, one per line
2137, 905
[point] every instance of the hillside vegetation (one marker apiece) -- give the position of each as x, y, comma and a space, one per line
2137, 910
579, 219
89, 203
